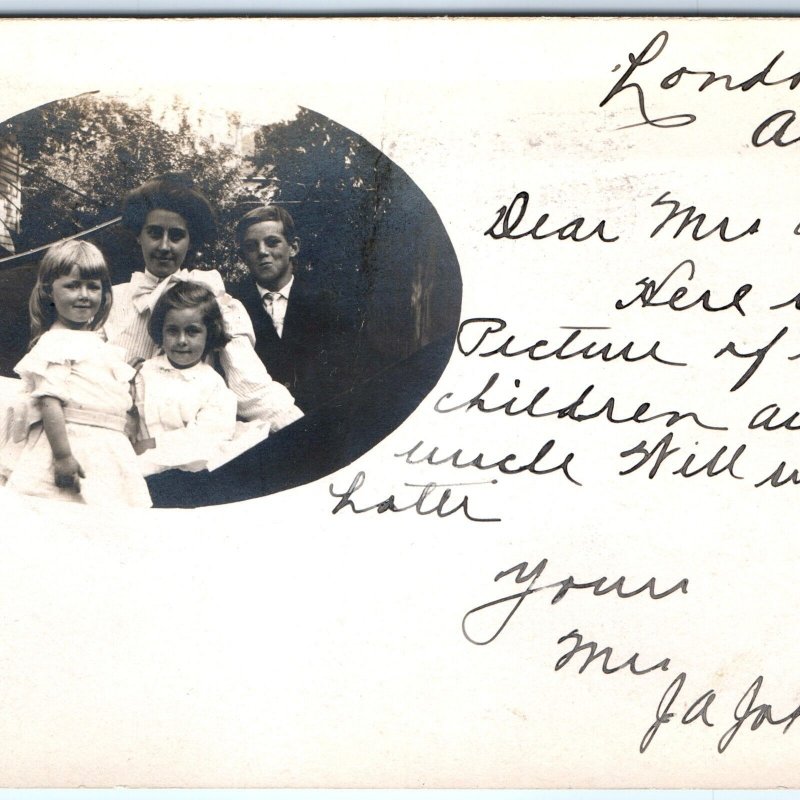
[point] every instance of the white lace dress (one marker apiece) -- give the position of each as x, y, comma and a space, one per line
92, 380
190, 413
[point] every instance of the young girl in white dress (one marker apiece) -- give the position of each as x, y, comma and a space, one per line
78, 385
186, 412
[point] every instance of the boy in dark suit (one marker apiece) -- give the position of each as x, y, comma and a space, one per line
303, 336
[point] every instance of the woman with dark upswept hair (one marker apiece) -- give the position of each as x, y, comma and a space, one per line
171, 221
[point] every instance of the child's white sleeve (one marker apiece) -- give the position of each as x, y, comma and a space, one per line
217, 417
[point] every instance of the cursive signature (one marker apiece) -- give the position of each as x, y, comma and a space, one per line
746, 711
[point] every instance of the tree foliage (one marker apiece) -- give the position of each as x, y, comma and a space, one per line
366, 229
334, 184
83, 154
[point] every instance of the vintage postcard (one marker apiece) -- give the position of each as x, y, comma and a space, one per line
399, 402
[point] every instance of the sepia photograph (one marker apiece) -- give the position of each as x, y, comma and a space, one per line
323, 286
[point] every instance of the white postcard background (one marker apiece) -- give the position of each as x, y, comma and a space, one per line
272, 643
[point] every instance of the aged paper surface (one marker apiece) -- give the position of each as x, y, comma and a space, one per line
606, 467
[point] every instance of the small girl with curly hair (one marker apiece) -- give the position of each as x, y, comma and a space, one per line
75, 446
186, 412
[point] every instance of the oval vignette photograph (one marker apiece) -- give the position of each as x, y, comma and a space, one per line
200, 308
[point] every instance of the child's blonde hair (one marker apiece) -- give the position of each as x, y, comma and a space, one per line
57, 262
